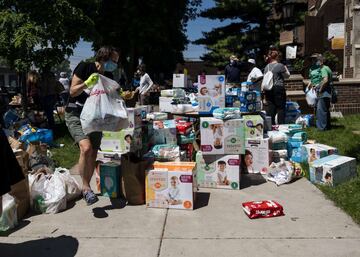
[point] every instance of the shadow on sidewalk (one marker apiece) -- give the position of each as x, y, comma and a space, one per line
248, 180
62, 246
100, 212
202, 200
22, 224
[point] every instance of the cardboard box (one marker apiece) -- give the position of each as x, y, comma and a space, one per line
110, 179
180, 80
164, 132
136, 115
257, 156
332, 170
125, 140
218, 171
222, 137
318, 151
211, 94
170, 188
254, 126
20, 191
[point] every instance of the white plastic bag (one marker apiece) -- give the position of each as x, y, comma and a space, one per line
281, 172
72, 187
8, 219
47, 193
104, 110
310, 96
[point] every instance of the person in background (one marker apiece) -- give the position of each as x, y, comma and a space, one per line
85, 76
255, 75
64, 80
321, 79
10, 171
275, 99
32, 84
232, 70
50, 89
145, 84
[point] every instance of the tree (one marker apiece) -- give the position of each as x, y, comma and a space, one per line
153, 30
252, 30
64, 66
42, 32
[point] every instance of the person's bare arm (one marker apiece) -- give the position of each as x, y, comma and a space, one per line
77, 86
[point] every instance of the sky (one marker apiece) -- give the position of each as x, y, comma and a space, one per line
194, 31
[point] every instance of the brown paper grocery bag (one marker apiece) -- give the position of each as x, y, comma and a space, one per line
20, 191
133, 178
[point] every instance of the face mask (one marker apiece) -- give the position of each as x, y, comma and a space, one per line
232, 61
318, 63
110, 66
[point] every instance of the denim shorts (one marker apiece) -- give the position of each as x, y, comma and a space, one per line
72, 119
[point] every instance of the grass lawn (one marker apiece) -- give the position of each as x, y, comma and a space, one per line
68, 155
346, 195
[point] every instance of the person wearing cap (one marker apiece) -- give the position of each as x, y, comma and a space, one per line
255, 75
232, 70
321, 79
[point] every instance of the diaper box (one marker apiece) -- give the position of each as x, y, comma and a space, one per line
218, 171
211, 93
110, 179
332, 170
254, 126
125, 140
165, 104
318, 151
136, 115
164, 132
170, 187
257, 156
222, 137
250, 107
180, 80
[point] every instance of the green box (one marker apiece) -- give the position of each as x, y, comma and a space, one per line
110, 179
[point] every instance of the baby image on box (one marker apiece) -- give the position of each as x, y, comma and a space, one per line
247, 162
221, 173
218, 134
174, 194
128, 141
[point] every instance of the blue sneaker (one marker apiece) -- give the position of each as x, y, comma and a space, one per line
90, 197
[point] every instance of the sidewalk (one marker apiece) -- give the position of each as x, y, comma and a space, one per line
312, 226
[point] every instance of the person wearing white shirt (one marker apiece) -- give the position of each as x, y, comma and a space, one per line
255, 74
145, 83
64, 81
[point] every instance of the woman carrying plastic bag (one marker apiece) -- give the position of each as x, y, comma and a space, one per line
104, 110
103, 107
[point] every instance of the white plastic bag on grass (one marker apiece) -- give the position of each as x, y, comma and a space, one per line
104, 110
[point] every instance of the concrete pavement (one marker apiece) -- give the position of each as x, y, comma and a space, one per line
312, 226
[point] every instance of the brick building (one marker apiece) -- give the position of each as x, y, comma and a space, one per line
352, 39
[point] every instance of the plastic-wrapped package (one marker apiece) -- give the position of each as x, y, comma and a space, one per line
263, 209
8, 219
282, 172
166, 152
277, 137
104, 110
227, 113
156, 116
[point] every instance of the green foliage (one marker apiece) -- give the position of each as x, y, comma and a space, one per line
299, 65
331, 60
42, 33
250, 33
154, 30
64, 66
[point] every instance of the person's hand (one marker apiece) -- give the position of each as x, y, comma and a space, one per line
92, 80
